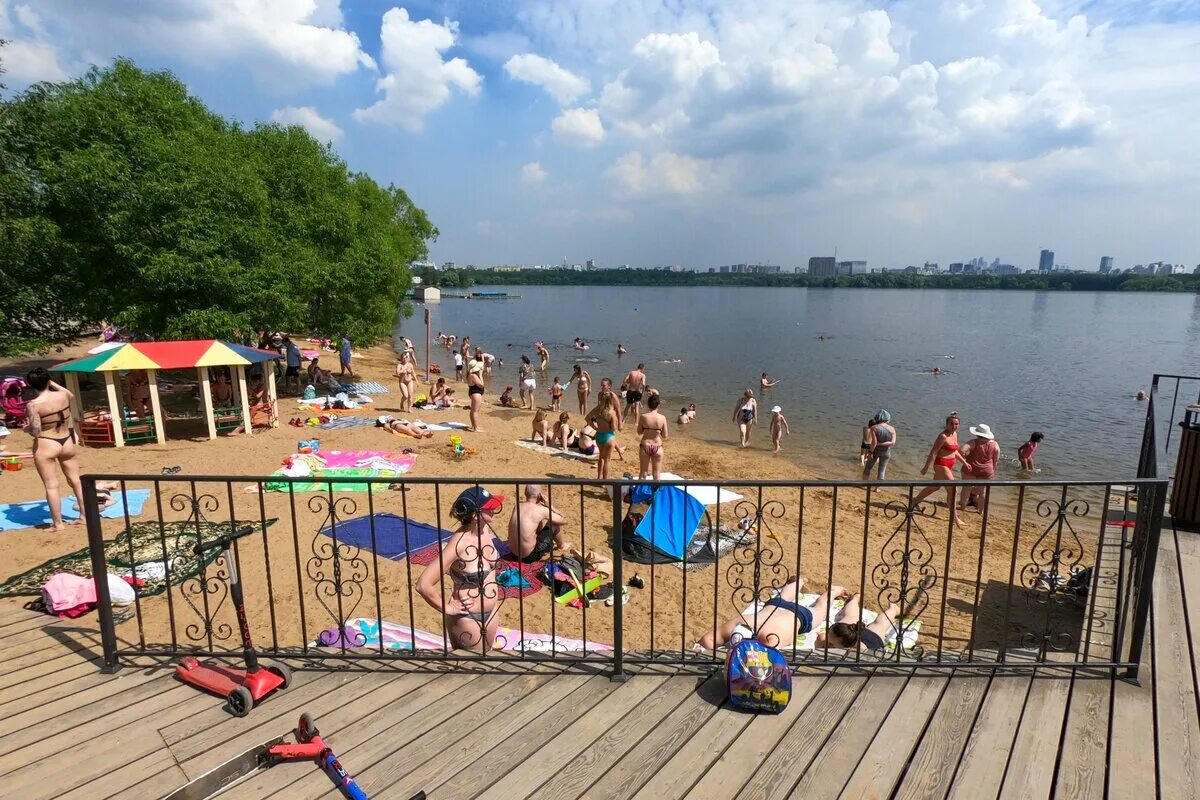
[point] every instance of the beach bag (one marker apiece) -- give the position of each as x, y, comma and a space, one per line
758, 677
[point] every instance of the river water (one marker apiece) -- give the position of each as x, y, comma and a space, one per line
1064, 363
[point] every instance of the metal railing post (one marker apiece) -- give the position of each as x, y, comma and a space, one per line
618, 673
108, 632
1149, 525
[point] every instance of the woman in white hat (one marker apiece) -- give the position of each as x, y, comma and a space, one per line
982, 454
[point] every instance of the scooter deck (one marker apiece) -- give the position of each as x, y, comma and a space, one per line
224, 775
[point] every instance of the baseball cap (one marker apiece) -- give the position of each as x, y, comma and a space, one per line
475, 499
776, 409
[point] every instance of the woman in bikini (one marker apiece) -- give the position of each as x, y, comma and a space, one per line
944, 455
528, 384
475, 386
745, 413
469, 559
561, 434
652, 426
583, 387
404, 427
541, 427
53, 432
605, 417
407, 376
585, 441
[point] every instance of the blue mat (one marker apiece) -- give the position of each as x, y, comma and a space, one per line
390, 539
14, 516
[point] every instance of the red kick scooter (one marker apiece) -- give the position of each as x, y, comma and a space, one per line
241, 688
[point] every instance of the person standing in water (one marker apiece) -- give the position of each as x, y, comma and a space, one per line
779, 427
621, 350
944, 455
766, 382
652, 426
528, 384
635, 385
1025, 452
543, 357
745, 413
53, 432
982, 455
881, 437
583, 387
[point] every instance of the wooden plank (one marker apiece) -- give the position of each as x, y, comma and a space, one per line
38, 642
1084, 757
352, 724
530, 746
611, 744
640, 764
51, 666
518, 783
151, 788
391, 761
1131, 760
676, 777
130, 779
17, 618
79, 651
1174, 684
985, 758
1035, 752
827, 774
886, 758
51, 688
787, 763
463, 753
86, 703
470, 707
727, 774
941, 748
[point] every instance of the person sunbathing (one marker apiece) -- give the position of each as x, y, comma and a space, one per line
416, 430
781, 619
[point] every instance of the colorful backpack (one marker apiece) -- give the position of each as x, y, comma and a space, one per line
758, 677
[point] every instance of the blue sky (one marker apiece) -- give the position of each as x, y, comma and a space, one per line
704, 132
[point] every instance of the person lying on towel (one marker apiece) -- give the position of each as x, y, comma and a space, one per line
782, 619
535, 528
402, 426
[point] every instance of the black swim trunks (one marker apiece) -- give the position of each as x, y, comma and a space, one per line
475, 390
632, 396
292, 372
545, 543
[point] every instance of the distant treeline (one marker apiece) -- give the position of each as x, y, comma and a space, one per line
1057, 281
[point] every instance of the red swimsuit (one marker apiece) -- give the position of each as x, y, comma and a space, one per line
947, 461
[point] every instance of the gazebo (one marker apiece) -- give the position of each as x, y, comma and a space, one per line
200, 355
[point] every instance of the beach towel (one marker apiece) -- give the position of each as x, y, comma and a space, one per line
345, 421
808, 641
365, 387
395, 536
708, 494
14, 516
554, 451
530, 582
332, 464
146, 540
362, 632
447, 426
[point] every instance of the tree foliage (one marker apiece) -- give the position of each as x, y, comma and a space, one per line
124, 198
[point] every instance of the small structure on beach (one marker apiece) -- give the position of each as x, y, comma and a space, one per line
428, 294
150, 358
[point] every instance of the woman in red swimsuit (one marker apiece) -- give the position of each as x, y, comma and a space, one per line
943, 456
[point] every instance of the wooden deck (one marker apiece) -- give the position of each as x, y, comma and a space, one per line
68, 731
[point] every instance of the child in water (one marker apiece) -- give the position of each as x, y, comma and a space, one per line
556, 393
684, 419
692, 412
779, 426
1025, 452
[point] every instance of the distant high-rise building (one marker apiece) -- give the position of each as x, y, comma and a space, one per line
995, 264
1046, 262
931, 266
1106, 264
956, 268
591, 263
851, 267
1006, 269
822, 266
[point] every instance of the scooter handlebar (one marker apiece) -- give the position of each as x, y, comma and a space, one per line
221, 542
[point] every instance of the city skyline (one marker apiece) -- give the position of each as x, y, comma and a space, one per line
697, 131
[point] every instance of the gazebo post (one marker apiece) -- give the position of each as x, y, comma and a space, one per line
114, 410
245, 398
206, 397
159, 432
72, 379
272, 397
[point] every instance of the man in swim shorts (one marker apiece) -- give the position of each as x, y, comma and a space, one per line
635, 385
535, 529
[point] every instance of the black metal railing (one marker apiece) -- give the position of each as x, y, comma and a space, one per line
1045, 573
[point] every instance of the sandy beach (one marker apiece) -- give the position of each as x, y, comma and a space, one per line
801, 527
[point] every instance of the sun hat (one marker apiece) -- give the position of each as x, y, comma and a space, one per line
776, 409
983, 432
883, 416
475, 499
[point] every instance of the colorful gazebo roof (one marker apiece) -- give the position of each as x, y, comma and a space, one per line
168, 355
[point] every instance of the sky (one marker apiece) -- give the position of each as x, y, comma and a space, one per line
707, 132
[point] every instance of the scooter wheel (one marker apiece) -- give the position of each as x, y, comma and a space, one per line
308, 728
240, 701
283, 671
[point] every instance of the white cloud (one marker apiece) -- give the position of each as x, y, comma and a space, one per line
580, 126
485, 227
662, 173
322, 128
563, 85
533, 173
417, 77
283, 43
